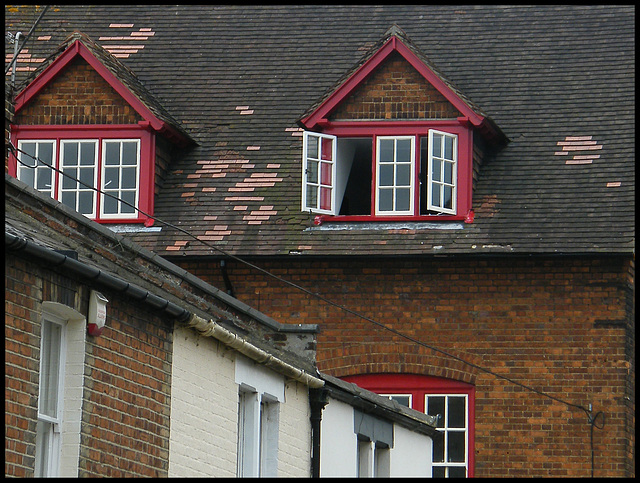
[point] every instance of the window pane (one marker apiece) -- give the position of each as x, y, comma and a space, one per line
435, 196
455, 447
326, 174
50, 372
457, 472
436, 170
435, 406
86, 176
403, 400
386, 175
404, 151
448, 197
403, 175
312, 147
386, 150
325, 198
129, 197
448, 147
438, 447
111, 178
27, 176
436, 149
45, 153
43, 443
448, 172
69, 199
130, 153
312, 197
110, 205
457, 412
44, 178
403, 201
129, 178
312, 172
112, 153
69, 178
386, 200
327, 148
29, 155
69, 154
87, 154
85, 202
438, 472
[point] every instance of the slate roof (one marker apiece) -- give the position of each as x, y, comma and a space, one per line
559, 82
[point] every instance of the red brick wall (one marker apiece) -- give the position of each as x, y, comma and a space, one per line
395, 91
126, 402
558, 325
79, 95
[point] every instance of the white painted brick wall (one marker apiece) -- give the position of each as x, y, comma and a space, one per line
204, 407
294, 458
204, 412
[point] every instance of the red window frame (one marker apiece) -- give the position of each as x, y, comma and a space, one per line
100, 132
419, 386
373, 129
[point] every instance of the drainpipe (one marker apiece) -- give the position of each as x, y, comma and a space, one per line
225, 277
15, 56
318, 399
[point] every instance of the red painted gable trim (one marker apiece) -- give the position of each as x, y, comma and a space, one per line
321, 113
79, 49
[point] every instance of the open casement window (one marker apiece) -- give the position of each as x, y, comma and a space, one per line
452, 401
408, 176
108, 176
318, 173
441, 168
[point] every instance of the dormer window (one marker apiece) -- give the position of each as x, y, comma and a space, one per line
69, 163
87, 133
415, 172
395, 141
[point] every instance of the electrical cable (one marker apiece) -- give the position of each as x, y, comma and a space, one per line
588, 412
26, 38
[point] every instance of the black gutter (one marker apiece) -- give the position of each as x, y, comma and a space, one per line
74, 267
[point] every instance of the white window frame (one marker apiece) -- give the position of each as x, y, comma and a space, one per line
394, 187
49, 427
79, 187
57, 180
38, 166
317, 185
431, 182
443, 427
117, 192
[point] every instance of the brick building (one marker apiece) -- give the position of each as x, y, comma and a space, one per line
446, 191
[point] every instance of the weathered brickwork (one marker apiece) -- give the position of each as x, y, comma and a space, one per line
126, 401
395, 91
79, 95
537, 321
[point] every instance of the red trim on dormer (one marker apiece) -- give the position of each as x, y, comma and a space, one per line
320, 115
79, 49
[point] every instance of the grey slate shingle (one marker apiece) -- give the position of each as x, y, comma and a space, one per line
542, 73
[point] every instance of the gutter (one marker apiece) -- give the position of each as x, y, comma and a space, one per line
31, 250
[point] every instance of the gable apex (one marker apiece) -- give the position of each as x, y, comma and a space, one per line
116, 74
395, 41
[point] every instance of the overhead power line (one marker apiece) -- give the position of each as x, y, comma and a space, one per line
591, 417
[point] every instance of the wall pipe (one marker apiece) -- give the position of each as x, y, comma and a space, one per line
204, 327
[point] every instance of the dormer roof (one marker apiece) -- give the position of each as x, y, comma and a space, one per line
395, 40
119, 76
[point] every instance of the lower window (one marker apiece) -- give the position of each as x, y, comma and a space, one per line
453, 403
51, 389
